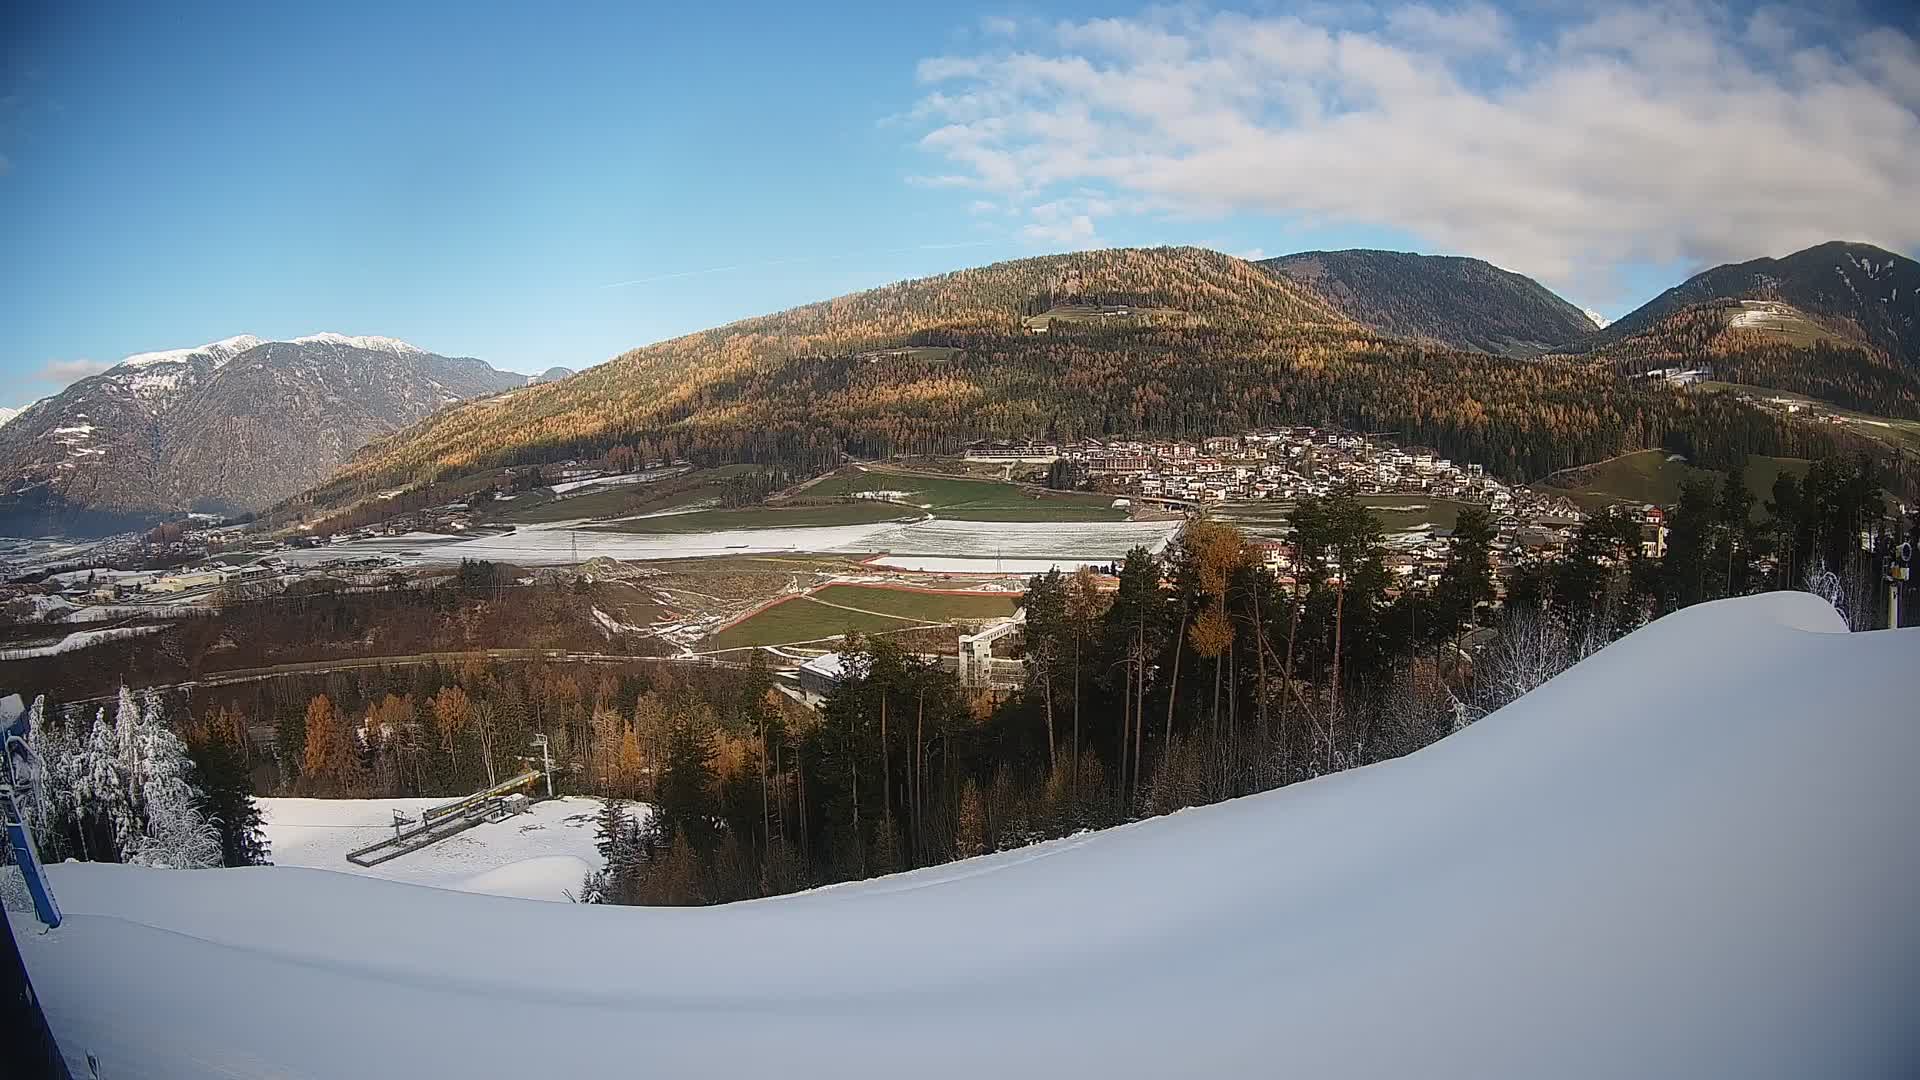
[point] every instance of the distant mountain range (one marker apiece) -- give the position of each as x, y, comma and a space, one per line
229, 426
1477, 362
1455, 302
1172, 342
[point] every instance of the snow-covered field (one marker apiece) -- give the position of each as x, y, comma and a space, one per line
937, 565
1041, 542
541, 855
1691, 855
1101, 541
79, 639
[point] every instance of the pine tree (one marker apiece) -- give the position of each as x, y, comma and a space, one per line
1467, 580
686, 790
226, 787
173, 831
103, 808
48, 799
970, 833
177, 836
610, 826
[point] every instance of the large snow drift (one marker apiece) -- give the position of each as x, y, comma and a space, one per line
1692, 855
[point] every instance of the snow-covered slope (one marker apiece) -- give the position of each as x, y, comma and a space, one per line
1598, 320
542, 855
1691, 855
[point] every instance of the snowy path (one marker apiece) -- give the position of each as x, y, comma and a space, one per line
1691, 855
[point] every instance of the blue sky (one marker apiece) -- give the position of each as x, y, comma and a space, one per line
538, 189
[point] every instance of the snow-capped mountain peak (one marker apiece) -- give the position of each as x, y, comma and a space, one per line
1599, 321
219, 351
369, 343
241, 422
7, 415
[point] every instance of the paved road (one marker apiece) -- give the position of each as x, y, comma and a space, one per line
240, 675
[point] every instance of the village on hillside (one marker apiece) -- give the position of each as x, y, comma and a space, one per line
1250, 479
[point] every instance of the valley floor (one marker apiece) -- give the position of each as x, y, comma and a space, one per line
929, 540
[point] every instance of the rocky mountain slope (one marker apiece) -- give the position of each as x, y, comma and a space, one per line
1454, 302
233, 425
1874, 289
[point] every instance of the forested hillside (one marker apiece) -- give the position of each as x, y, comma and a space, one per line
1874, 289
1775, 345
1189, 343
1452, 302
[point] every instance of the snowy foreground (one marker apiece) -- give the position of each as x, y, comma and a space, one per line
1691, 855
540, 855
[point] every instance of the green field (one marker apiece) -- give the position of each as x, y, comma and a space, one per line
763, 517
971, 500
798, 620
1900, 433
928, 607
1649, 477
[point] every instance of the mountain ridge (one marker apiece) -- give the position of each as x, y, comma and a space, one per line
1772, 344
1449, 300
1128, 342
1876, 289
231, 425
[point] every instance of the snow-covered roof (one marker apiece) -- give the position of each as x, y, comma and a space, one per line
832, 665
1652, 866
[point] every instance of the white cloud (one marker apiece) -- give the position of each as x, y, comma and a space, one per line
1065, 223
67, 371
1656, 134
1472, 29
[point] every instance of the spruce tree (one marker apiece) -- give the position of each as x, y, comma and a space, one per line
226, 798
686, 791
610, 824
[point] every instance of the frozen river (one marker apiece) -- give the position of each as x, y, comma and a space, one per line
931, 544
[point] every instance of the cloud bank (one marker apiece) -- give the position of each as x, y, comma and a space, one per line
63, 372
1677, 132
